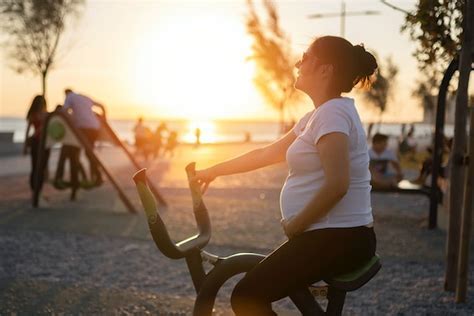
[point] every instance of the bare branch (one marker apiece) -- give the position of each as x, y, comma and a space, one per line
395, 7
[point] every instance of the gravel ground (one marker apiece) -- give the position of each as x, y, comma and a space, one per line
91, 257
58, 271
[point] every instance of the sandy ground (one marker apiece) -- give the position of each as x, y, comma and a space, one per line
91, 256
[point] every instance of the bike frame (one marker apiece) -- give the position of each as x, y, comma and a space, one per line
191, 249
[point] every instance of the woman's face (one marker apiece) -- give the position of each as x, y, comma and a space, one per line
313, 76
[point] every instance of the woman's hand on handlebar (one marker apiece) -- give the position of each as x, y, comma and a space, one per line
204, 178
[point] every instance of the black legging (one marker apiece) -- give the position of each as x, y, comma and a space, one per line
34, 152
299, 262
92, 135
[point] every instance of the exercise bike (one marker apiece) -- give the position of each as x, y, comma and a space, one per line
208, 284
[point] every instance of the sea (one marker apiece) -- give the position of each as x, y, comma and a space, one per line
216, 132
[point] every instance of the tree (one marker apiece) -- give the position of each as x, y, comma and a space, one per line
382, 86
271, 52
34, 29
435, 26
426, 93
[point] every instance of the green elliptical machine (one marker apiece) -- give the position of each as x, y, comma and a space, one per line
208, 284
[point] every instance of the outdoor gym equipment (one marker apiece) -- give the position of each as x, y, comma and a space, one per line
438, 141
432, 191
59, 129
208, 284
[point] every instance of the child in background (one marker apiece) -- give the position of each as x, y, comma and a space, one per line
381, 159
158, 139
171, 143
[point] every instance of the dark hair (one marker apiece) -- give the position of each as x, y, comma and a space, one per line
379, 138
67, 90
37, 105
352, 64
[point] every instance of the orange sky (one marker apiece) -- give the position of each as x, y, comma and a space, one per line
186, 59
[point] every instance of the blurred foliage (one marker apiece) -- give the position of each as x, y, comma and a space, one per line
271, 51
382, 86
426, 91
34, 29
436, 27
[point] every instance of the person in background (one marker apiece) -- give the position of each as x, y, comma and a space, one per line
247, 137
381, 160
408, 144
197, 133
402, 130
36, 117
86, 120
144, 139
171, 143
158, 139
78, 177
427, 165
139, 132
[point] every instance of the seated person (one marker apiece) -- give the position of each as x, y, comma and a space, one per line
382, 162
408, 145
427, 165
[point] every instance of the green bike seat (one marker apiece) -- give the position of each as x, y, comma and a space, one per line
353, 280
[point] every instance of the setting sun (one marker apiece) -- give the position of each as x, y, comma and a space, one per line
186, 66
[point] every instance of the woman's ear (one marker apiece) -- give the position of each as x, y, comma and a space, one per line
327, 70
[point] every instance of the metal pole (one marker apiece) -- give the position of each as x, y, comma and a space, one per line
343, 19
342, 15
438, 141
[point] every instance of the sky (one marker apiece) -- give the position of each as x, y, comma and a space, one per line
187, 59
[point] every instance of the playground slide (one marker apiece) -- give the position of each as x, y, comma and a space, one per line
115, 161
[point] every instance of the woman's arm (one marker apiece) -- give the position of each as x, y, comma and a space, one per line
101, 106
397, 168
255, 159
25, 147
334, 153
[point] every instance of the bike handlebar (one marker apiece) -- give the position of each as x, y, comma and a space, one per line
157, 227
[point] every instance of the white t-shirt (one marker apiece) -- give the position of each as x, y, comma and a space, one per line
387, 154
306, 174
82, 114
380, 161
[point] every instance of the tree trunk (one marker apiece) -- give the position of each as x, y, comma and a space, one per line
43, 82
379, 125
457, 171
466, 218
463, 267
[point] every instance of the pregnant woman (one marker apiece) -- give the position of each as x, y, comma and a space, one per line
325, 201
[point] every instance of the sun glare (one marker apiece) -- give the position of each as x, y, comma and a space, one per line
194, 67
208, 132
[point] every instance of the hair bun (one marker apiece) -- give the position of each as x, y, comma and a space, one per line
365, 62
